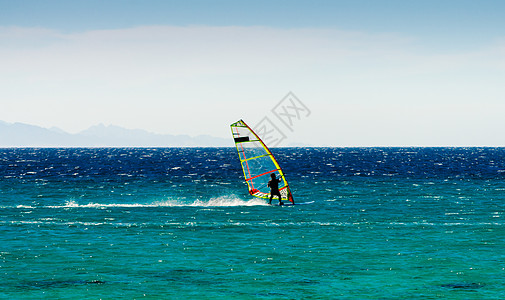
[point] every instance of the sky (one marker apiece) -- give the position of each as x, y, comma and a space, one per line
361, 73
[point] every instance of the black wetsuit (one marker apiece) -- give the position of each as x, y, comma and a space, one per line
274, 189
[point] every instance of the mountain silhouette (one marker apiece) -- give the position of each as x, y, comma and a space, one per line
25, 135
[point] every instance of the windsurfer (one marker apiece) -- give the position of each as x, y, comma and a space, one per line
273, 184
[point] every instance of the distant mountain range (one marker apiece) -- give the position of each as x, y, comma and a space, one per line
25, 135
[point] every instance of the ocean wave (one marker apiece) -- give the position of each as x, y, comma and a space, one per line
219, 201
213, 202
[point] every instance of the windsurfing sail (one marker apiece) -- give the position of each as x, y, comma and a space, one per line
258, 163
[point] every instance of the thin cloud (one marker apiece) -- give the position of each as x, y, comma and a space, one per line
156, 77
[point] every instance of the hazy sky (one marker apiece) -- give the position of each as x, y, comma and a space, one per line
372, 73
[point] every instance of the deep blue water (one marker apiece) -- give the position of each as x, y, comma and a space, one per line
175, 223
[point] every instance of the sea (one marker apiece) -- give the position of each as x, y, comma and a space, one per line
178, 223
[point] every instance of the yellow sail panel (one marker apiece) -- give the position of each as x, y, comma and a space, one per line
258, 162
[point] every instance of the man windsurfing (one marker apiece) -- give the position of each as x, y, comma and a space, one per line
273, 184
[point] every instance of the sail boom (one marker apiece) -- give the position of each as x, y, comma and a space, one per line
247, 179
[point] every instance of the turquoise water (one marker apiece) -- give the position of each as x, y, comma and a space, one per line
121, 223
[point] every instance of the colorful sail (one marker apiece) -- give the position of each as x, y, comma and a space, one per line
258, 163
